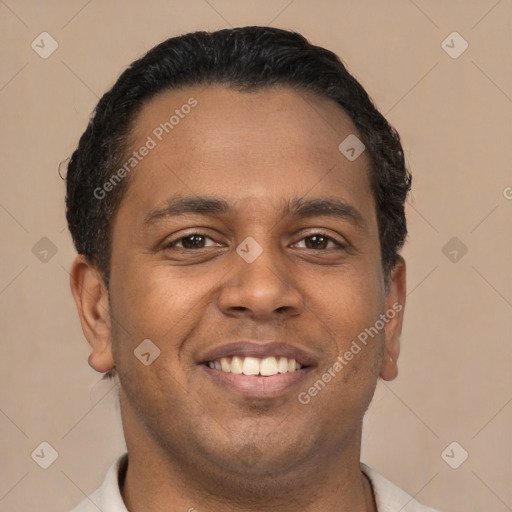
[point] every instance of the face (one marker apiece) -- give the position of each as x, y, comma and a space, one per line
247, 242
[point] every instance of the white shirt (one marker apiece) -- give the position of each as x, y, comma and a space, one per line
388, 496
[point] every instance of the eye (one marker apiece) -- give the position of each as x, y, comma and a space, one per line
320, 240
192, 241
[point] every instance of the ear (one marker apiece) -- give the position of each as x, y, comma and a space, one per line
395, 305
91, 298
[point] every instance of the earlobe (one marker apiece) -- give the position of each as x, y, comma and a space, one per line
91, 298
395, 304
101, 361
389, 367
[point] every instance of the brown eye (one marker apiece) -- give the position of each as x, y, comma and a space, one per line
319, 241
192, 241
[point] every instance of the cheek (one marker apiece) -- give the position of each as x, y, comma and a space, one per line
152, 301
158, 305
348, 302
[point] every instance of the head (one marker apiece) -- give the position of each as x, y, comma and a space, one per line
250, 120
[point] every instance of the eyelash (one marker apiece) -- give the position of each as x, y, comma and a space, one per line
338, 245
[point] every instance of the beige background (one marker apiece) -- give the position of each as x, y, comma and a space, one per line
454, 116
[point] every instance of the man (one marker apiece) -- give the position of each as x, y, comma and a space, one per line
237, 204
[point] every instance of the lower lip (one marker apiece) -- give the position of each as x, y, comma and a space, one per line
256, 385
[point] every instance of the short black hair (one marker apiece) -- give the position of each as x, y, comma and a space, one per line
247, 59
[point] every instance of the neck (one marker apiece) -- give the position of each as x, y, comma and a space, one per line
179, 482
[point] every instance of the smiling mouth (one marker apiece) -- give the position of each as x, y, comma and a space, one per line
258, 367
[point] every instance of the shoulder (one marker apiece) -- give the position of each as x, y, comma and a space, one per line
106, 498
389, 497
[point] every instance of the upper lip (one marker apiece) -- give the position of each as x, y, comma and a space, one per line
259, 349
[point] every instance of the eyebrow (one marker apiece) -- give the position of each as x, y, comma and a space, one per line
299, 207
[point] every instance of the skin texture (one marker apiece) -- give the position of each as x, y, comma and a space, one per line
193, 443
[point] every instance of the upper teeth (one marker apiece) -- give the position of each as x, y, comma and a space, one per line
255, 366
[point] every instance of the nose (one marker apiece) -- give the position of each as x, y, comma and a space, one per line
262, 289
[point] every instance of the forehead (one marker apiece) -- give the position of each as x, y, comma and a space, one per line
223, 115
256, 147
